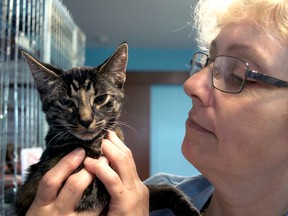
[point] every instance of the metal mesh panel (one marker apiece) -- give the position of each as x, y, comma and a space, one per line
45, 29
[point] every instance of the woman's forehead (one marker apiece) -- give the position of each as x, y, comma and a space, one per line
244, 40
236, 33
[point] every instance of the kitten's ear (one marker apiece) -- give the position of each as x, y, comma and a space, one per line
116, 65
43, 76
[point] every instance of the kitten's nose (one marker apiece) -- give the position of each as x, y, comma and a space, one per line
86, 123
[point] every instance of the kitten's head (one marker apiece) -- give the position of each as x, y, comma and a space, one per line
83, 101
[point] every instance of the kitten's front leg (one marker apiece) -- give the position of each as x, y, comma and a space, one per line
27, 191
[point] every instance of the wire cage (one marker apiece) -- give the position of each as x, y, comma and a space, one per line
46, 30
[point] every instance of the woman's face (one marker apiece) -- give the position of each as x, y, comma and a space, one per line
246, 133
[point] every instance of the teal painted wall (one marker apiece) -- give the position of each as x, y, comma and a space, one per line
169, 111
145, 59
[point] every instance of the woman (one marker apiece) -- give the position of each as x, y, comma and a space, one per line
236, 131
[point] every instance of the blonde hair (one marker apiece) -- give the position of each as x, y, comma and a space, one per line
210, 16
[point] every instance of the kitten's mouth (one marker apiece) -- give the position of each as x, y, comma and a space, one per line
85, 134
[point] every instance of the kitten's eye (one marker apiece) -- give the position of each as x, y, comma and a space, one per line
67, 103
101, 99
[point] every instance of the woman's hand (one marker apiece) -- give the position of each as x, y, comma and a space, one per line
52, 202
129, 196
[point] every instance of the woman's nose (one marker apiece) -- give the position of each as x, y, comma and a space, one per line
200, 86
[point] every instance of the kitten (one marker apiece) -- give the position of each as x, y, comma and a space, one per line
81, 104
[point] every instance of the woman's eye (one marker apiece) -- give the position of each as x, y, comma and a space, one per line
236, 80
217, 72
100, 99
252, 82
67, 103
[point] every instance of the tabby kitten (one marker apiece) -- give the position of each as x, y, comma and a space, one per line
81, 104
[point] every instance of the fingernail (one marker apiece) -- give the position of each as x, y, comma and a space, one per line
88, 160
78, 152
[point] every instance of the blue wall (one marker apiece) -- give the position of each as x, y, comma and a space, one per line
169, 105
145, 59
169, 111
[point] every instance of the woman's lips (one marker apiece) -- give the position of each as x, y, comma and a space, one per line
193, 124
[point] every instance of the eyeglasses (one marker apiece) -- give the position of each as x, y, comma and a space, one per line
229, 74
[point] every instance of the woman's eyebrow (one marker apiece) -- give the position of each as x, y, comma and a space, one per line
245, 51
234, 48
213, 48
240, 47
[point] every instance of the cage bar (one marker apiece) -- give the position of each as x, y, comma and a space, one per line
22, 123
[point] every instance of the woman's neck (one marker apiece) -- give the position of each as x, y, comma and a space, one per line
267, 196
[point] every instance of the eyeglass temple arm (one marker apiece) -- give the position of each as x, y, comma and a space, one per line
267, 79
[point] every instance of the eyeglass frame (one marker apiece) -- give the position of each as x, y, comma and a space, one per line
253, 74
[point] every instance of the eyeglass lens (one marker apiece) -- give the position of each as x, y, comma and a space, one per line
229, 74
198, 62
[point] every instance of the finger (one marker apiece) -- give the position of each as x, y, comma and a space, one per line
53, 179
72, 190
121, 161
106, 175
112, 136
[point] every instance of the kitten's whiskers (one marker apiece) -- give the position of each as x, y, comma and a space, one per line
59, 135
121, 123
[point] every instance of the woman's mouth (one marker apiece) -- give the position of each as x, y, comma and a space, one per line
194, 125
